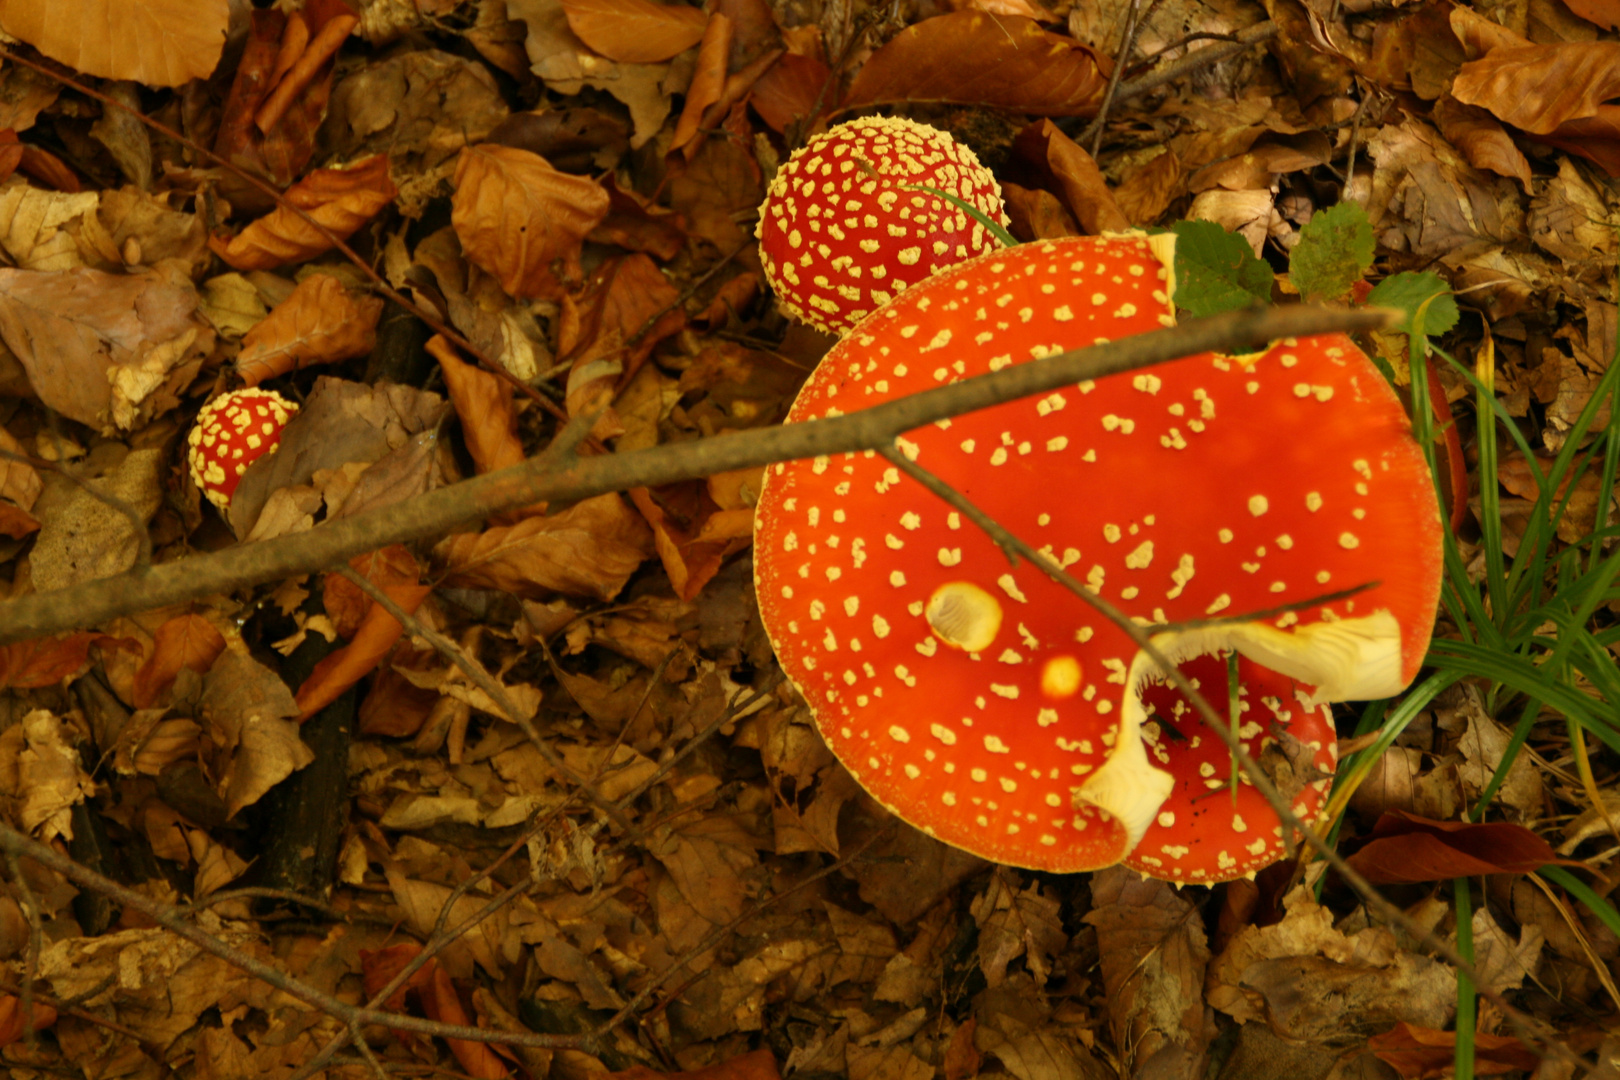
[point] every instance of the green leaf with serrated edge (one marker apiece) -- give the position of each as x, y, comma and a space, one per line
1216, 270
1334, 250
1409, 291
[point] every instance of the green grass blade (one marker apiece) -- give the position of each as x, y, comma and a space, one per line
1466, 1007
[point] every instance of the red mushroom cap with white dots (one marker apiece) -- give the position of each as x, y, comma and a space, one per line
232, 432
988, 705
843, 230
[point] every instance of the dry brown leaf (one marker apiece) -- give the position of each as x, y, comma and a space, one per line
97, 346
590, 549
27, 665
693, 549
1605, 13
755, 1065
376, 635
344, 601
796, 88
11, 1018
1482, 139
340, 200
517, 217
50, 779
484, 404
609, 330
19, 482
252, 743
635, 31
156, 42
185, 641
976, 59
707, 86
320, 323
1536, 88
1075, 173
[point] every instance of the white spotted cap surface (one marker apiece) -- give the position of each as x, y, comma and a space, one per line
1207, 487
840, 233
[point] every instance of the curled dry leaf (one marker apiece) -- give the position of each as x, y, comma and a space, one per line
1406, 848
484, 404
50, 779
708, 83
156, 42
185, 641
340, 200
694, 541
377, 633
1482, 139
1536, 88
517, 217
320, 323
973, 58
590, 549
635, 31
1072, 171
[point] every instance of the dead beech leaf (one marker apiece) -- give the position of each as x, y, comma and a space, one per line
344, 601
16, 522
50, 778
692, 552
251, 744
1605, 13
28, 665
754, 1065
794, 88
185, 641
19, 482
442, 1004
590, 549
972, 58
320, 323
1482, 139
1406, 848
156, 42
376, 635
708, 84
1073, 172
1420, 1053
340, 200
517, 217
11, 1018
609, 330
484, 404
635, 31
1538, 87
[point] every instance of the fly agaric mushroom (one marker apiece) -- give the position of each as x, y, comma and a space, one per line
989, 706
843, 230
232, 432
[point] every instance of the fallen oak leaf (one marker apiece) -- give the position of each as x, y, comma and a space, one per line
339, 200
320, 323
1405, 849
185, 641
377, 633
517, 216
635, 31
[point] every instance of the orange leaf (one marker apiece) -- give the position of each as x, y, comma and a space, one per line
1538, 87
755, 1065
1406, 848
28, 665
440, 1002
598, 330
344, 601
484, 403
342, 669
590, 549
708, 83
516, 216
971, 58
11, 1018
692, 551
1420, 1053
377, 970
185, 641
1605, 13
16, 522
341, 200
321, 322
795, 88
1062, 162
156, 42
635, 31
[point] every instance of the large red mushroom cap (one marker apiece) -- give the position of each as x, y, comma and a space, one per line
232, 432
843, 230
988, 705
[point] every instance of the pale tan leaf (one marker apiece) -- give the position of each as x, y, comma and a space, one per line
320, 323
156, 42
635, 31
341, 200
517, 216
254, 744
51, 778
590, 549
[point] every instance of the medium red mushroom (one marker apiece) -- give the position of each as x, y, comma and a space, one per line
232, 432
844, 229
992, 708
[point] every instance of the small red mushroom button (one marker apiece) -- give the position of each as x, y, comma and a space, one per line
232, 432
844, 229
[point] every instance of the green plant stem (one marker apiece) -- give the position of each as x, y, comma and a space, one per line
1466, 1004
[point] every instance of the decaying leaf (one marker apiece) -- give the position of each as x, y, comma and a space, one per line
338, 200
521, 219
373, 638
320, 323
50, 778
254, 744
590, 549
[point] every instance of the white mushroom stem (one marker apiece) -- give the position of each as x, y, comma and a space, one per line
1346, 660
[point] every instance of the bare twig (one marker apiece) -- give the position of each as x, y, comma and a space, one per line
1127, 44
1212, 54
554, 476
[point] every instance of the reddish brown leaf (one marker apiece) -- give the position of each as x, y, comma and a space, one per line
185, 641
484, 403
1036, 214
19, 482
28, 665
16, 522
795, 88
635, 31
1420, 1053
1538, 87
342, 669
11, 1018
755, 1065
156, 42
1060, 162
590, 549
441, 1003
693, 541
1482, 139
1406, 848
707, 86
320, 323
378, 969
346, 604
973, 58
341, 200
607, 333
1605, 13
636, 224
283, 152
518, 217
